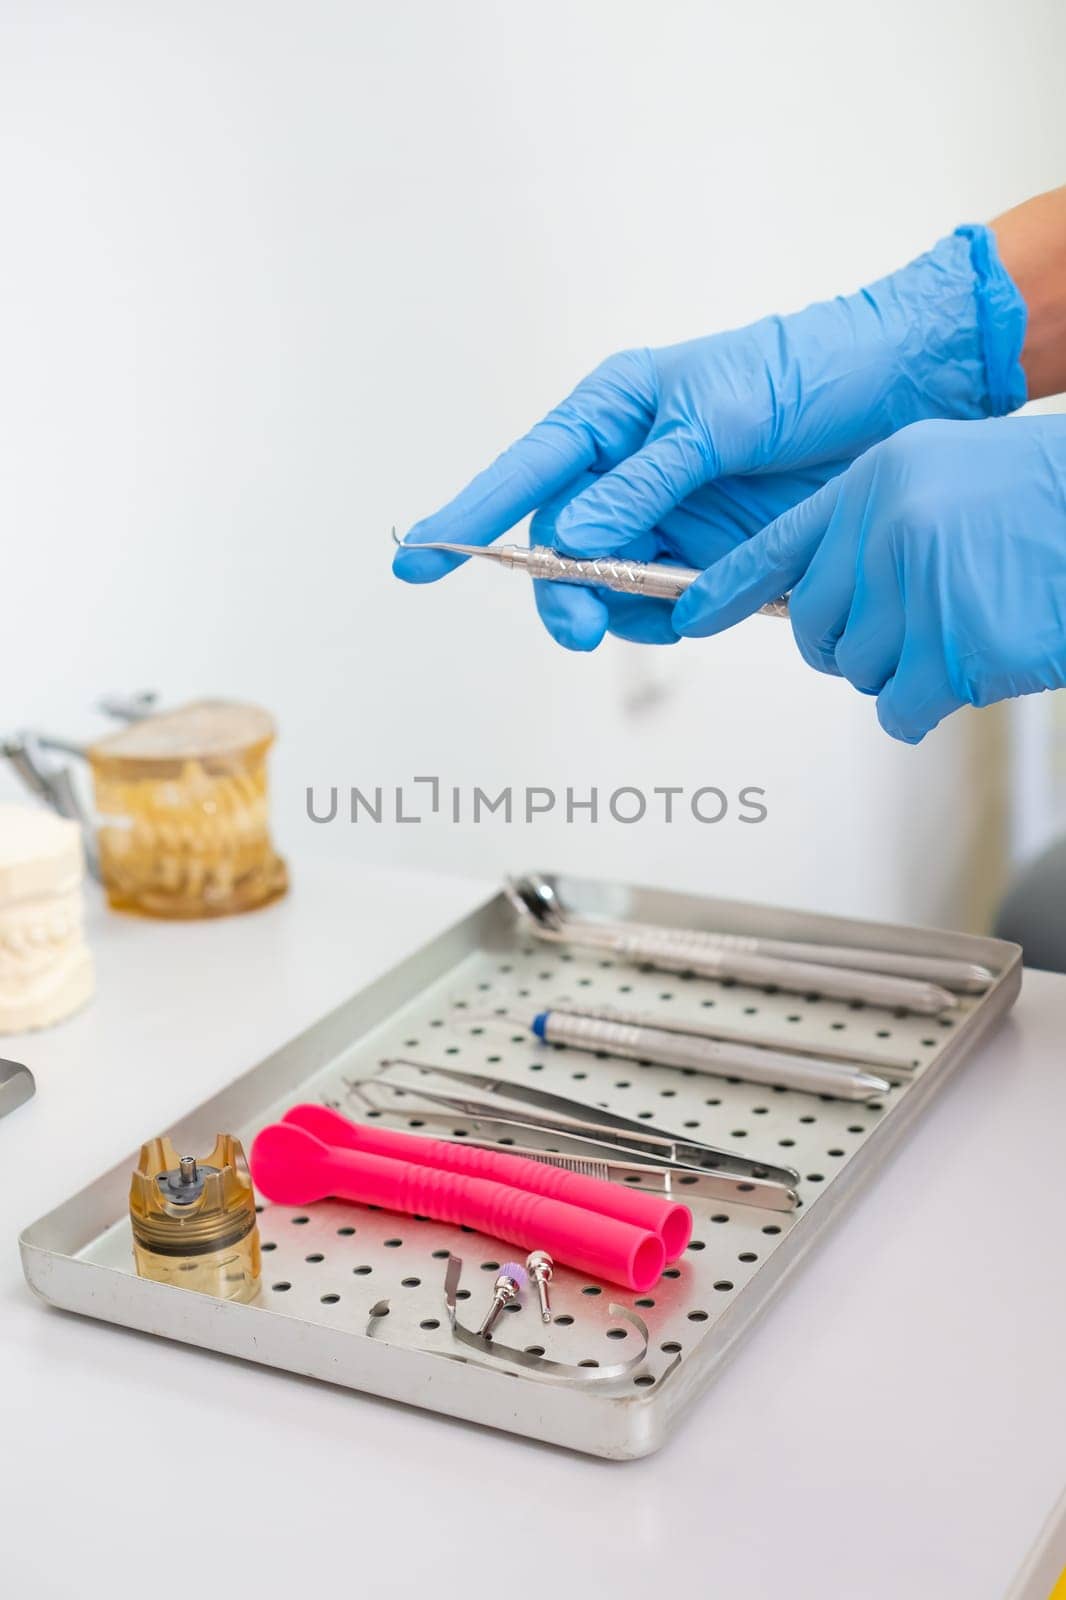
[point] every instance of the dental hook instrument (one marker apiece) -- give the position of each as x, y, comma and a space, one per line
653, 579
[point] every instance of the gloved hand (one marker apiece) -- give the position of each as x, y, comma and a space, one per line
740, 425
932, 573
708, 524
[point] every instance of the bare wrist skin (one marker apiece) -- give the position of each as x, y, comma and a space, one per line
1031, 239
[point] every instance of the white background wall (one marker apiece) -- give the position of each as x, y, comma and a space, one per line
275, 276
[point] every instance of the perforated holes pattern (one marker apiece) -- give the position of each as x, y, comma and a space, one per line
332, 1263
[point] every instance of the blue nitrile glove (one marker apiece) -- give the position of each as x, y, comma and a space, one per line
736, 427
932, 573
707, 525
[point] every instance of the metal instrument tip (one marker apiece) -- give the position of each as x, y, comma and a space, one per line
493, 552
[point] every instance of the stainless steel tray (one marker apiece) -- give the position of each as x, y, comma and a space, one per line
327, 1269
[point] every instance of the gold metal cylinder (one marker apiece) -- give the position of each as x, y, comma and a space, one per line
194, 1221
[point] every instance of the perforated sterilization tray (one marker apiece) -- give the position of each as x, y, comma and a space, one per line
355, 1295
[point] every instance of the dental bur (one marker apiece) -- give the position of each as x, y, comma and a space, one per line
696, 1053
654, 579
505, 1291
540, 1267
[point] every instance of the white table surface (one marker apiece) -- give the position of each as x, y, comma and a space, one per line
894, 1427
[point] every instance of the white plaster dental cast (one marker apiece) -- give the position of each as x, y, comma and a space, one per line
46, 970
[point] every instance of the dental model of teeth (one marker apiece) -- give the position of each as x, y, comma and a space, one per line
46, 970
184, 827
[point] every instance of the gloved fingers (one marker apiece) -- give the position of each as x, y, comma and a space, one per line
837, 609
869, 649
605, 419
575, 617
718, 516
821, 602
542, 523
530, 471
632, 498
925, 686
578, 618
698, 532
639, 620
635, 617
868, 652
761, 570
915, 698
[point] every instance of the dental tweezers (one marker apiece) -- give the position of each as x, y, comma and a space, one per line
598, 1158
595, 1134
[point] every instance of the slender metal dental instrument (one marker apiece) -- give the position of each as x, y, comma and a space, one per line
505, 1291
539, 897
600, 1158
540, 1267
963, 977
753, 1063
897, 1069
654, 579
556, 1113
679, 950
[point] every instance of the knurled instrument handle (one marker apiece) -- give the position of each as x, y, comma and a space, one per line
652, 579
680, 951
964, 977
753, 1064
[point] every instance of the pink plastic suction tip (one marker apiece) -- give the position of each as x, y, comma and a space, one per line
292, 1167
670, 1220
